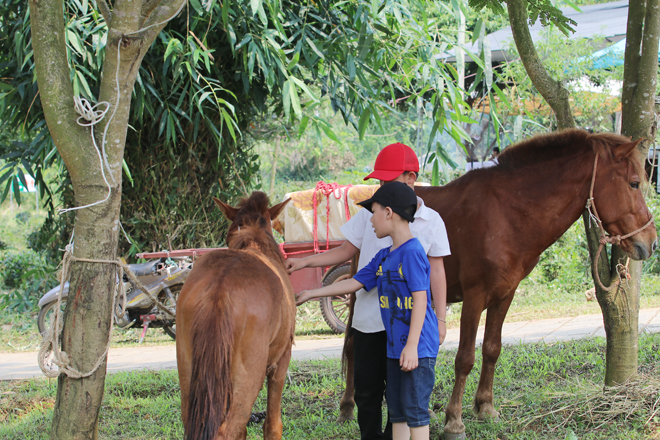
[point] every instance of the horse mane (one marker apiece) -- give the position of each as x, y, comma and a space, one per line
547, 147
253, 232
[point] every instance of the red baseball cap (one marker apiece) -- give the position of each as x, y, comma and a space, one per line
392, 161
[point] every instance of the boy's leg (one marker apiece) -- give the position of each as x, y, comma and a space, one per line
400, 431
395, 409
370, 372
418, 385
420, 433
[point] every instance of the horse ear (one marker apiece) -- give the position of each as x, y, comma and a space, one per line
624, 150
274, 211
227, 210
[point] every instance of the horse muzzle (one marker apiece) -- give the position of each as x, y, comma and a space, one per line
641, 250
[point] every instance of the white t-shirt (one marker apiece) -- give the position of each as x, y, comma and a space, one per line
428, 228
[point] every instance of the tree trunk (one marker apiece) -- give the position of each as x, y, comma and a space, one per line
552, 91
92, 285
273, 172
621, 306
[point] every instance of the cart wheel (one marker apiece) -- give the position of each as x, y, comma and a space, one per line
335, 309
170, 302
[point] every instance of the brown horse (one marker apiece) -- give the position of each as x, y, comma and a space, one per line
499, 220
235, 325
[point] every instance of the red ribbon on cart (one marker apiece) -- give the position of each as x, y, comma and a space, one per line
326, 189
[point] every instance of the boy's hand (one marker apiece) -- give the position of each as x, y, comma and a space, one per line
294, 264
408, 360
303, 297
442, 331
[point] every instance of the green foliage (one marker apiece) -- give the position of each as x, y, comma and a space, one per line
27, 276
567, 61
652, 265
491, 20
566, 265
543, 10
209, 73
14, 266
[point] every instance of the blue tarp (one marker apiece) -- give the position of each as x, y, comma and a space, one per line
611, 56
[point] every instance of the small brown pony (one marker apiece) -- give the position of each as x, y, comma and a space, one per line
499, 220
235, 325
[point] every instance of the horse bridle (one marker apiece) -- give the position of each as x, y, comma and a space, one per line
604, 238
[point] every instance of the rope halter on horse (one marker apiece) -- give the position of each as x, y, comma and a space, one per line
604, 238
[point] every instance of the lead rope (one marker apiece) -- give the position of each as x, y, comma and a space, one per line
622, 270
51, 343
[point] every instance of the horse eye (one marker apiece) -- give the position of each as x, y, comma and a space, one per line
634, 185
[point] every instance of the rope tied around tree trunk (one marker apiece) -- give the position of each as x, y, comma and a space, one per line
622, 270
51, 341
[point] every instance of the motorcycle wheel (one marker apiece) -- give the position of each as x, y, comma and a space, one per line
170, 327
335, 309
46, 314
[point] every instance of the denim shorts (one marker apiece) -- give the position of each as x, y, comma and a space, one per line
408, 392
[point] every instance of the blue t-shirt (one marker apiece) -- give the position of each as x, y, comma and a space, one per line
397, 273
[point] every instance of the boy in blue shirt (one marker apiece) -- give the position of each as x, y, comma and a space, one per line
402, 275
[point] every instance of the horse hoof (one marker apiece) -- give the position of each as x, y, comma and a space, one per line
452, 436
488, 414
345, 418
486, 418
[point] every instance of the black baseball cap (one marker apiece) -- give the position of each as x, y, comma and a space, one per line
397, 196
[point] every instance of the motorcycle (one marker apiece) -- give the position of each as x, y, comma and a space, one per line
162, 278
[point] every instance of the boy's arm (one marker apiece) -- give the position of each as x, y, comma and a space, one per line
439, 293
334, 256
409, 359
340, 288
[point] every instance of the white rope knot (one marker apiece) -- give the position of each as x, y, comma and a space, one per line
622, 270
88, 112
593, 219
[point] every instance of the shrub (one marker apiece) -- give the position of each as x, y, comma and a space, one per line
29, 277
14, 265
566, 264
23, 217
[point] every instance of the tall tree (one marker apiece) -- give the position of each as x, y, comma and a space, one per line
132, 27
620, 305
619, 301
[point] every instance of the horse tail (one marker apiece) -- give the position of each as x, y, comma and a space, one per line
210, 380
348, 336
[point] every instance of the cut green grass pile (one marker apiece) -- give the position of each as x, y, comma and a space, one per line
542, 392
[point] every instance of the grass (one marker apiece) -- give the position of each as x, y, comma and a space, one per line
542, 392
